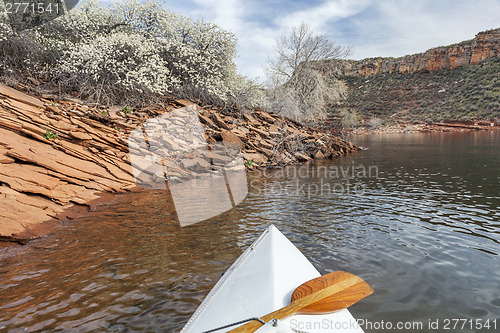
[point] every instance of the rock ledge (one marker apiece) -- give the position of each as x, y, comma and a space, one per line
58, 154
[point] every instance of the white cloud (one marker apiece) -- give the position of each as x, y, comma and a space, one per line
319, 16
255, 38
229, 14
372, 27
406, 27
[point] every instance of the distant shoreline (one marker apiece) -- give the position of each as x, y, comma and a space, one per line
442, 127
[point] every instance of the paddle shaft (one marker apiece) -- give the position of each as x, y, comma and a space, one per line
300, 303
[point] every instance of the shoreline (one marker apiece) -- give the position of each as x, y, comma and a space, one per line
442, 127
58, 157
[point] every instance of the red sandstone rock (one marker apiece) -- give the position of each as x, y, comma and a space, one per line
219, 121
80, 135
265, 116
255, 157
19, 96
302, 157
41, 177
229, 136
485, 45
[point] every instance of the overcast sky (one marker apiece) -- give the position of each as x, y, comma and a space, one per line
371, 27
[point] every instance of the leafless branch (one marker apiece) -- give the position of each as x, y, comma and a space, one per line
301, 86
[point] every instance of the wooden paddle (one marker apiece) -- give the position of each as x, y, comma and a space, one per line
325, 294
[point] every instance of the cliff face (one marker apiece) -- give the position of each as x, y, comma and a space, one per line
451, 83
484, 46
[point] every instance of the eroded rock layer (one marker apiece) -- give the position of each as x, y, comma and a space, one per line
58, 154
485, 45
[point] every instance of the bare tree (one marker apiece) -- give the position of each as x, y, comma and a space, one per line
301, 85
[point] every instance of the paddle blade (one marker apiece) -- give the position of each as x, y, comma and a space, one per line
339, 300
323, 294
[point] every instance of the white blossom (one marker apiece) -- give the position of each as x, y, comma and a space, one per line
136, 47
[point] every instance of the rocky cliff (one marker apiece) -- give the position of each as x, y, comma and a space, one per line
484, 46
453, 83
55, 155
468, 93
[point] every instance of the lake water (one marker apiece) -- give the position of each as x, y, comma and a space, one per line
417, 216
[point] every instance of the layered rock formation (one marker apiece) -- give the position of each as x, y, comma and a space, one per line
55, 155
468, 93
51, 158
484, 46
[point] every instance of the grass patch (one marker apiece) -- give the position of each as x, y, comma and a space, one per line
50, 135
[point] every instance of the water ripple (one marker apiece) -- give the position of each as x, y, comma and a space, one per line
424, 231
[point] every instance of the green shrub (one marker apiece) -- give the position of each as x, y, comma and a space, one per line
50, 135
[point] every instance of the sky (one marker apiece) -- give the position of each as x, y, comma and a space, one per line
371, 27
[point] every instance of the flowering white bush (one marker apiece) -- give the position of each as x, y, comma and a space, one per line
144, 48
246, 94
135, 49
5, 29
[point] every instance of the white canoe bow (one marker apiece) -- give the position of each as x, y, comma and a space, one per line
261, 281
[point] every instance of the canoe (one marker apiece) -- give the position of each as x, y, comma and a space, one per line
260, 281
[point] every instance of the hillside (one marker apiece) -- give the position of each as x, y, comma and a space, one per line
465, 93
457, 82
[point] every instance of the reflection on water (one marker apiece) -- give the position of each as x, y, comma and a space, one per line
423, 229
